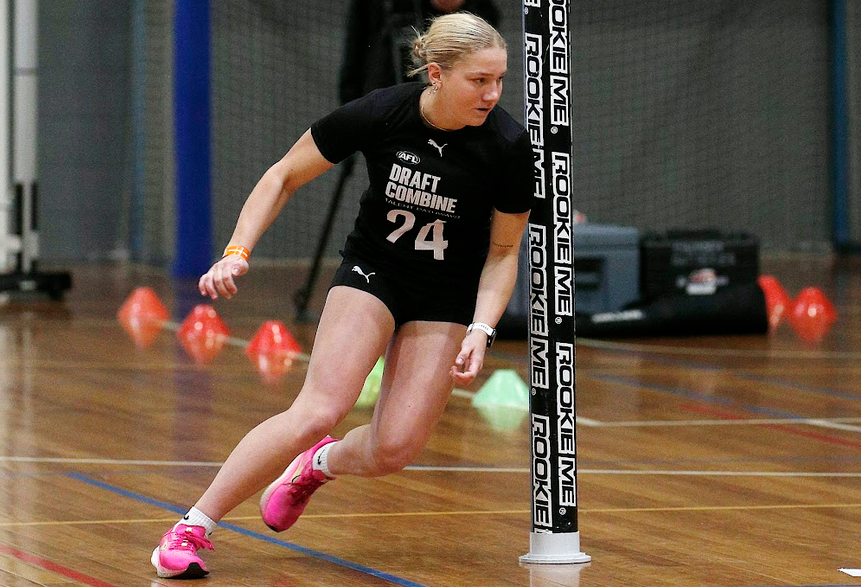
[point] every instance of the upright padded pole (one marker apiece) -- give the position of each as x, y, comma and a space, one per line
555, 537
194, 253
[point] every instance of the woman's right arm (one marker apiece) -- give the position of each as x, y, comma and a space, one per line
300, 165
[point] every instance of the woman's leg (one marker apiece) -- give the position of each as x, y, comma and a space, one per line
353, 332
415, 389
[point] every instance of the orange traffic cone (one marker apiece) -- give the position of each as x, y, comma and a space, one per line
777, 301
203, 333
272, 350
142, 315
812, 315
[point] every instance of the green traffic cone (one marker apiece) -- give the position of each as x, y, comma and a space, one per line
503, 388
371, 388
502, 418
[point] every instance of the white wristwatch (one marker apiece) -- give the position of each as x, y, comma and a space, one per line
490, 331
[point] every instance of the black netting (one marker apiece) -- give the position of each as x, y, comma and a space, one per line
699, 114
704, 114
152, 170
274, 71
853, 97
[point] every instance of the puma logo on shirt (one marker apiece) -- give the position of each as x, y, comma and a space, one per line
358, 270
437, 146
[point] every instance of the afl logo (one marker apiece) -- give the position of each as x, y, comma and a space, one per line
408, 157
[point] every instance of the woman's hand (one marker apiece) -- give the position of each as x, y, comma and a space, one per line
470, 359
220, 279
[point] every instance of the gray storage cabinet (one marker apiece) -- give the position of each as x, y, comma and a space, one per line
606, 273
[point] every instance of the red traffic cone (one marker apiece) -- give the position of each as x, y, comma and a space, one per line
777, 301
142, 315
272, 350
812, 315
203, 333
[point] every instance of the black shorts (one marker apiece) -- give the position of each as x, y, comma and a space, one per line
407, 298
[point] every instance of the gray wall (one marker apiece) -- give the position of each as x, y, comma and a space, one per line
84, 163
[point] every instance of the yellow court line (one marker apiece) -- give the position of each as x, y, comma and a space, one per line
450, 513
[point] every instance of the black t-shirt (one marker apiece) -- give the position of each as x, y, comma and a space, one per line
427, 211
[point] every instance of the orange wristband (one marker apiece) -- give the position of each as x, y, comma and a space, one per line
236, 250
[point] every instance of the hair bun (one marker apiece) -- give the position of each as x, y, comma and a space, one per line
420, 49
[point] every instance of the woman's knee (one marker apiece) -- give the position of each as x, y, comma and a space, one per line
393, 454
310, 424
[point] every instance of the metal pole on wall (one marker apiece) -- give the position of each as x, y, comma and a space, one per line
19, 168
9, 243
24, 86
840, 129
555, 538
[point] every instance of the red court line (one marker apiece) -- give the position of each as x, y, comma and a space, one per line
52, 566
783, 427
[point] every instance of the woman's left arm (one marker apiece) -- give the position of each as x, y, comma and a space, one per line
494, 290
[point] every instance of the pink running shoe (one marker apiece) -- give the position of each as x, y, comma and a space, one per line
285, 499
176, 556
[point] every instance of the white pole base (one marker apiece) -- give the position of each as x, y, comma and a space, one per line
555, 549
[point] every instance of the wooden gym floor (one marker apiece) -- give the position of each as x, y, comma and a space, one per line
732, 461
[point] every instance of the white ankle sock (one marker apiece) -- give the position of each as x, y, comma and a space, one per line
195, 517
321, 460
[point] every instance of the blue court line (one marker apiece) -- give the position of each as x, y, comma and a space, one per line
585, 463
760, 378
10, 475
742, 375
718, 368
799, 386
693, 396
300, 549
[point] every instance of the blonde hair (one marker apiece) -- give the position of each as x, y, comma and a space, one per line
450, 38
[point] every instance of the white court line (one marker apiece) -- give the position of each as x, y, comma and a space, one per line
454, 469
822, 422
826, 423
647, 472
671, 350
721, 473
459, 469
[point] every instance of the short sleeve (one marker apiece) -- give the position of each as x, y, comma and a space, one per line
345, 130
516, 178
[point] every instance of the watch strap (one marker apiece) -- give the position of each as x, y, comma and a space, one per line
489, 330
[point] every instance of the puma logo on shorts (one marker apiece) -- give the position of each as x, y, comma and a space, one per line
409, 296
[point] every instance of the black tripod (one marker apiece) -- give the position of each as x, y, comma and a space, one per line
303, 296
398, 26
